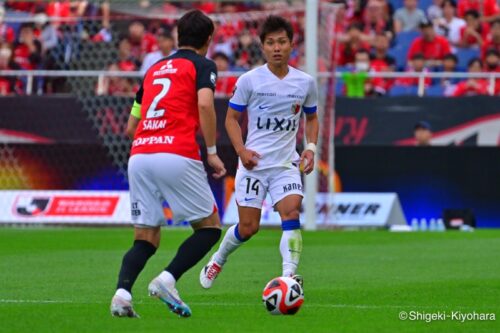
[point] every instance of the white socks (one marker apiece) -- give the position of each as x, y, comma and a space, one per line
228, 245
124, 294
290, 248
167, 278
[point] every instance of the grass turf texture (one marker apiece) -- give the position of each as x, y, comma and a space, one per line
61, 280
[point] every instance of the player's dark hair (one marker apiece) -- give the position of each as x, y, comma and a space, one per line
194, 28
275, 23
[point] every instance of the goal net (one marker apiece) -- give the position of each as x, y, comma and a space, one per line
114, 38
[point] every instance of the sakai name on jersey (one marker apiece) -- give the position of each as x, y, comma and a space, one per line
154, 124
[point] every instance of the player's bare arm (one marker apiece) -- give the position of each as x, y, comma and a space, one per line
312, 130
132, 126
248, 157
208, 120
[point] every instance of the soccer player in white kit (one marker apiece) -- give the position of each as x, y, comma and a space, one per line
274, 95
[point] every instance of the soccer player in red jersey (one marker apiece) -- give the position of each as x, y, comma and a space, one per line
176, 98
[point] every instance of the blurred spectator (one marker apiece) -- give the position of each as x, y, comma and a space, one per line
126, 62
247, 53
7, 34
488, 9
341, 21
449, 25
422, 132
432, 47
117, 86
225, 85
380, 58
472, 86
493, 40
475, 32
376, 21
372, 86
165, 48
353, 43
492, 61
46, 33
450, 62
408, 17
141, 41
23, 6
492, 65
435, 11
8, 84
417, 65
27, 49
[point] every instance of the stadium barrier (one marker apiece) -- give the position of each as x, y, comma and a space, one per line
99, 76
349, 209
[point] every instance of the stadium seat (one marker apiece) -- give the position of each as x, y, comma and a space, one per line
435, 91
403, 42
464, 55
424, 5
403, 91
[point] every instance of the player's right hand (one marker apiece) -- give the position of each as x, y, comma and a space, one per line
249, 158
215, 162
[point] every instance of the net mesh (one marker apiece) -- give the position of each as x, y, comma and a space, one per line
117, 35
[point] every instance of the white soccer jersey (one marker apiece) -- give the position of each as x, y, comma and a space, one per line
274, 107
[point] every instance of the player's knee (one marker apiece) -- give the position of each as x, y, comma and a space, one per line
247, 230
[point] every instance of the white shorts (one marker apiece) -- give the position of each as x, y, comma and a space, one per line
253, 185
180, 181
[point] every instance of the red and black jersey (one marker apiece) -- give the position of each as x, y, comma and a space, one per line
169, 104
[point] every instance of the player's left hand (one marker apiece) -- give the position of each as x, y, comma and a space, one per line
215, 162
307, 158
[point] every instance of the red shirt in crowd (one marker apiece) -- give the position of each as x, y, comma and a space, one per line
487, 45
24, 58
466, 88
225, 85
471, 40
433, 50
7, 34
489, 7
346, 53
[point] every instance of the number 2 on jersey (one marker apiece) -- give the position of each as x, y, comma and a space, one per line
254, 187
152, 112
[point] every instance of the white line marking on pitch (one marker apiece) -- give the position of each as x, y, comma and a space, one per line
354, 306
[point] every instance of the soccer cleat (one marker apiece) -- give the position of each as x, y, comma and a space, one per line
299, 279
122, 308
169, 296
209, 273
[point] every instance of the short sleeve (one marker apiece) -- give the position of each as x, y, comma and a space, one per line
206, 75
311, 102
241, 94
138, 95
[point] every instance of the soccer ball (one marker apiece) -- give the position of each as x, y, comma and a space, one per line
283, 295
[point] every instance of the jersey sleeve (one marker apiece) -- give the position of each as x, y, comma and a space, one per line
241, 94
311, 102
206, 75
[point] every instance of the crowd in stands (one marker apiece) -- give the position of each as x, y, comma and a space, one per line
372, 36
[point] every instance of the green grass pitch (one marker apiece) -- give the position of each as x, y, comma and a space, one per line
62, 279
